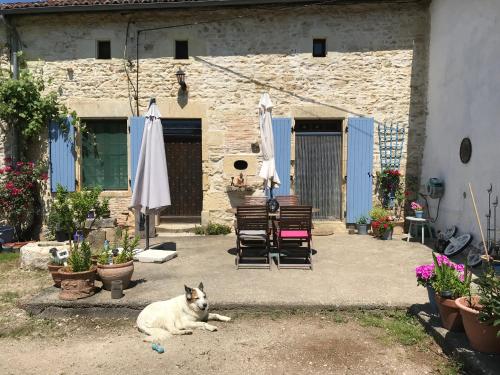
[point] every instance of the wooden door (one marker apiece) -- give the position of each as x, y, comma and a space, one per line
183, 151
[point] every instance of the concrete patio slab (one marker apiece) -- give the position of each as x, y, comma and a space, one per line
350, 271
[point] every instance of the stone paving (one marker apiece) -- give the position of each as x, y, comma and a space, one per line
350, 271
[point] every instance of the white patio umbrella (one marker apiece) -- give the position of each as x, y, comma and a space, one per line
151, 190
268, 171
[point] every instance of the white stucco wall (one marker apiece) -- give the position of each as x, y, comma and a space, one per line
463, 101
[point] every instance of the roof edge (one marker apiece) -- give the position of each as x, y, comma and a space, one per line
181, 5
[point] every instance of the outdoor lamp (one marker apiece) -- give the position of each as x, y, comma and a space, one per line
181, 76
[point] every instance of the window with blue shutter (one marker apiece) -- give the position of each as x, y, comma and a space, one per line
62, 156
136, 130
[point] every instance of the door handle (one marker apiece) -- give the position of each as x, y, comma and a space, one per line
370, 174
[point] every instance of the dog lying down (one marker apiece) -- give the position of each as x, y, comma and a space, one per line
178, 315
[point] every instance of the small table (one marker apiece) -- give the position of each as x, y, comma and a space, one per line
418, 222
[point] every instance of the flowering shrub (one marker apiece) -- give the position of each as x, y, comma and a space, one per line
425, 273
450, 277
416, 206
19, 193
389, 185
383, 225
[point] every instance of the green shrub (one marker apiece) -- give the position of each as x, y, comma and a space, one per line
378, 213
213, 229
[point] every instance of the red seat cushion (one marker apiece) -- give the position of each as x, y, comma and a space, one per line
293, 234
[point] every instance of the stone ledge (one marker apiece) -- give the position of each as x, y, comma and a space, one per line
455, 344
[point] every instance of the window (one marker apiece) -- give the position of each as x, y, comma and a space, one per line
103, 49
181, 49
319, 47
104, 155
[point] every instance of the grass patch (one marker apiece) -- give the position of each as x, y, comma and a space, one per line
9, 257
30, 327
398, 326
9, 297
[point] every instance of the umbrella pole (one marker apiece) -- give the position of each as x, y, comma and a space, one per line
147, 231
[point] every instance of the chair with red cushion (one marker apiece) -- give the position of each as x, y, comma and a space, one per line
294, 229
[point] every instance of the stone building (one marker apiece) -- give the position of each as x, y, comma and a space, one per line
324, 64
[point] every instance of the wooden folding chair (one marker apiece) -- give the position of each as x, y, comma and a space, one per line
252, 235
288, 200
250, 200
293, 229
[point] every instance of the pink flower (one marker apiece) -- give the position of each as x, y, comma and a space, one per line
2, 170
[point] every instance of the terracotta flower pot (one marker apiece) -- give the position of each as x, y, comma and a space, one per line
450, 314
76, 285
54, 271
111, 272
482, 337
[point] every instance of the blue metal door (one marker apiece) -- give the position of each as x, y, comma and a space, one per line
282, 129
359, 167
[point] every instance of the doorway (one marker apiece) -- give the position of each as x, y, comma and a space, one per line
182, 138
318, 166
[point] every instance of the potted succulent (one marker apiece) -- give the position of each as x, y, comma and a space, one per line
419, 210
77, 279
450, 282
362, 225
481, 313
117, 263
425, 276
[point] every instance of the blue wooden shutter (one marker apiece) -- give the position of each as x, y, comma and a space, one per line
62, 156
359, 168
136, 130
282, 128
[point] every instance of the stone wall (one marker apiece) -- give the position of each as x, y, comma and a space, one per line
376, 66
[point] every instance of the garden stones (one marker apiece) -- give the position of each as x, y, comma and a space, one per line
36, 255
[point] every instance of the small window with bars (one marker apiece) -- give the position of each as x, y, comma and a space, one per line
103, 50
319, 47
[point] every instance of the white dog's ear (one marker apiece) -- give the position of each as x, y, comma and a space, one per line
189, 292
200, 287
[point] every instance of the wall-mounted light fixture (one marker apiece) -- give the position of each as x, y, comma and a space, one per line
181, 77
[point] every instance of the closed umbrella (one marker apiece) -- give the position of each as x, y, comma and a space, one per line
268, 171
151, 190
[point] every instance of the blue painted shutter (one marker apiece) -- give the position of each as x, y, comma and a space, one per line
359, 168
62, 156
282, 128
136, 130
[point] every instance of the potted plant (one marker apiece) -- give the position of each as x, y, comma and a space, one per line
419, 211
389, 184
117, 264
383, 228
69, 210
78, 278
481, 313
362, 225
450, 282
425, 277
377, 214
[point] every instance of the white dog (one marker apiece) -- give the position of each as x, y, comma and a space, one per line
178, 315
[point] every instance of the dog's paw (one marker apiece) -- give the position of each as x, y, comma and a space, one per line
225, 318
187, 331
210, 327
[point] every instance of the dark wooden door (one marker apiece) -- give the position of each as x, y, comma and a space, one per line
183, 151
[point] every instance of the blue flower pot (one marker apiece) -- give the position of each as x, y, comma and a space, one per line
419, 214
432, 300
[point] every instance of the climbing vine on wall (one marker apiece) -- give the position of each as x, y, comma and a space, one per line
26, 106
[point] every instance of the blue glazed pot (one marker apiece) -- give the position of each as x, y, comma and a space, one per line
419, 214
432, 300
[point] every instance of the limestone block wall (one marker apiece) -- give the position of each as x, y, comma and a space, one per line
376, 66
